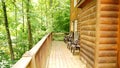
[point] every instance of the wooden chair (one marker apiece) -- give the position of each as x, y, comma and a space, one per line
75, 46
70, 40
66, 39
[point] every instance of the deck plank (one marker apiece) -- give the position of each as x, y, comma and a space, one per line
61, 57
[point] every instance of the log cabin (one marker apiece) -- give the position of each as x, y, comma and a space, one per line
98, 23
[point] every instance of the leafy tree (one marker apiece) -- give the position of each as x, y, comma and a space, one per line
7, 30
30, 19
29, 25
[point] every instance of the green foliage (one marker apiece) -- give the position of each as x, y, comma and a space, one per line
61, 22
58, 37
45, 16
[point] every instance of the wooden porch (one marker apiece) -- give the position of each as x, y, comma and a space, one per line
61, 57
49, 54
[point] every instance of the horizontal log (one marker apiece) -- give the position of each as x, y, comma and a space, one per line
109, 7
90, 44
88, 54
105, 27
107, 59
89, 27
88, 16
108, 34
91, 50
89, 61
93, 9
89, 33
111, 21
107, 65
107, 46
89, 66
88, 22
108, 40
88, 11
90, 5
109, 1
107, 53
113, 14
88, 38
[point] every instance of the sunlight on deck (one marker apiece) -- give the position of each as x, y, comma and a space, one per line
61, 57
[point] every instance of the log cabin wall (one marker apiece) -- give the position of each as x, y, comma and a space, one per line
106, 55
99, 31
119, 38
87, 27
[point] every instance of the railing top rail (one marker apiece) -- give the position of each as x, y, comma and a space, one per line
23, 62
27, 57
35, 49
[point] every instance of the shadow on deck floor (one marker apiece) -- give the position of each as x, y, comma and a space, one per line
61, 57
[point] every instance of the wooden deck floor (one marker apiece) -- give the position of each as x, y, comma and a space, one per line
61, 57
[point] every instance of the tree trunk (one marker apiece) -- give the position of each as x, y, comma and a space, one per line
7, 30
29, 26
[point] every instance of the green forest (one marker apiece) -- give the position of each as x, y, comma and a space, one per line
24, 22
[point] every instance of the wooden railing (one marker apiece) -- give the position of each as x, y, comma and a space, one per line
37, 56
